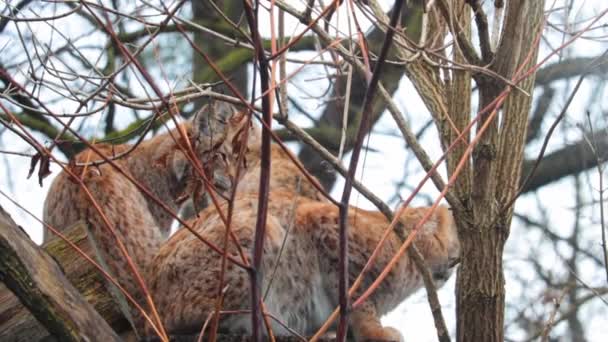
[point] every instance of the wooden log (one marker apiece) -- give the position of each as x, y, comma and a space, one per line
36, 279
16, 322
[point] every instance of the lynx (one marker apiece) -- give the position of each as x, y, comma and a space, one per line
301, 285
301, 246
159, 165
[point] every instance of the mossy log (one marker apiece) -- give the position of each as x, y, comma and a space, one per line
41, 286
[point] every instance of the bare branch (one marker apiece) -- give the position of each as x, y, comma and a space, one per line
570, 160
571, 68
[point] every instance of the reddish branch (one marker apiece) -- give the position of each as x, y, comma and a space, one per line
343, 284
260, 224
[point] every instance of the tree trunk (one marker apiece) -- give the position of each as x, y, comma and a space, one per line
480, 286
497, 162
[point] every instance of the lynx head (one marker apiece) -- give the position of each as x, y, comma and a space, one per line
437, 240
216, 134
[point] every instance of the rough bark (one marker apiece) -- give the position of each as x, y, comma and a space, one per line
460, 108
17, 324
41, 286
497, 162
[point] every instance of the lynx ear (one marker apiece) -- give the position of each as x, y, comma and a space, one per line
209, 124
179, 165
412, 216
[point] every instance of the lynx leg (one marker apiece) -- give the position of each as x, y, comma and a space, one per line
366, 326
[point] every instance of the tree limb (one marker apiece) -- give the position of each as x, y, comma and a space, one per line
570, 160
41, 286
571, 68
536, 121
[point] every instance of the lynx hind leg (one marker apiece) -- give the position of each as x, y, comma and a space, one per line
366, 326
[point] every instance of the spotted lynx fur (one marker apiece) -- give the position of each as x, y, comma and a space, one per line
182, 273
161, 166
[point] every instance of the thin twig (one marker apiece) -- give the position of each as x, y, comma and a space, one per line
601, 190
551, 320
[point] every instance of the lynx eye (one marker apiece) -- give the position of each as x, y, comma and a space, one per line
221, 181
